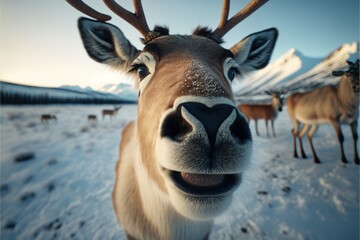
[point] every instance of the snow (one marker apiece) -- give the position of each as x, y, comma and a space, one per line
124, 90
62, 188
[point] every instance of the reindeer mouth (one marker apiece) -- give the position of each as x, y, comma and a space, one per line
205, 184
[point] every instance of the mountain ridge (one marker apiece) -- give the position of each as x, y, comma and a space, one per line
295, 72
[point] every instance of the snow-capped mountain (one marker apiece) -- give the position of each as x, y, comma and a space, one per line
295, 72
77, 88
124, 90
321, 74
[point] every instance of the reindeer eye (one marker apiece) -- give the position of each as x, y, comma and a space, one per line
232, 73
142, 71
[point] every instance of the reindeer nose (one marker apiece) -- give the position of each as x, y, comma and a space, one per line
176, 127
211, 118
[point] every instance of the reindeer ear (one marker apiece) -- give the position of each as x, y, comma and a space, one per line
254, 51
105, 43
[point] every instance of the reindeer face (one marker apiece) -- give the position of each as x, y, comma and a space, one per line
194, 143
352, 75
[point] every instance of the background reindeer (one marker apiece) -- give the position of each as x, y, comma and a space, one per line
185, 154
92, 118
45, 118
329, 104
110, 112
264, 111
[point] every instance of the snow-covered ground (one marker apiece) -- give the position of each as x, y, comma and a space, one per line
57, 179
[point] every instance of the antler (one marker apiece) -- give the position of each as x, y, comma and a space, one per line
136, 19
225, 25
82, 7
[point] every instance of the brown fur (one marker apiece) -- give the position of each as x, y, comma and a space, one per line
266, 111
47, 117
110, 112
255, 112
329, 104
92, 117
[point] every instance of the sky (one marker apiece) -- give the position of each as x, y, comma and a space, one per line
40, 44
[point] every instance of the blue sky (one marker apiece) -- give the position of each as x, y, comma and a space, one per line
40, 44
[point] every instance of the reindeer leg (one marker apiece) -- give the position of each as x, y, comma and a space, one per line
355, 138
272, 126
300, 136
294, 133
267, 128
294, 145
313, 129
340, 136
256, 127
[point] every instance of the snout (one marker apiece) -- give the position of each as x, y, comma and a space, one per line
204, 146
188, 117
202, 150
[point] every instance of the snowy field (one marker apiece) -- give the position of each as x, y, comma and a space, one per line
57, 180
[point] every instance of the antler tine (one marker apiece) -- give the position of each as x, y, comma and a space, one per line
225, 25
224, 13
136, 19
82, 7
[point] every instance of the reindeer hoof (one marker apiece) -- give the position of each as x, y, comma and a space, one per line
343, 160
317, 161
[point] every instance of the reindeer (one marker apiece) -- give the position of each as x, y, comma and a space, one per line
264, 111
330, 104
110, 112
45, 118
92, 118
183, 157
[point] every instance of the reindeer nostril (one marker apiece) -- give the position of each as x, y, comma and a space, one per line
210, 117
240, 129
175, 127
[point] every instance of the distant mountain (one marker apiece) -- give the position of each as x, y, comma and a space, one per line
295, 72
289, 65
23, 94
123, 90
321, 73
77, 88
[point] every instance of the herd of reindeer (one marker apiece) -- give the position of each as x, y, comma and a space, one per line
329, 104
333, 105
46, 118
